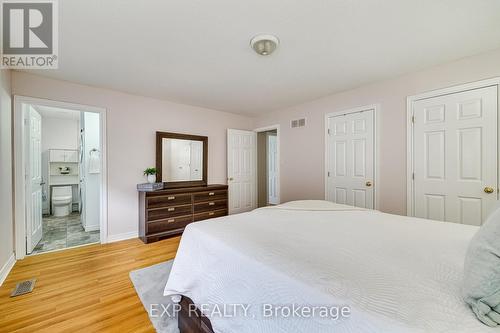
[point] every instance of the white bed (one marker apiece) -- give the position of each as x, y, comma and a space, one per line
397, 274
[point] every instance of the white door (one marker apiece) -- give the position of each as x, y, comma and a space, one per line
34, 179
242, 170
455, 156
272, 170
350, 158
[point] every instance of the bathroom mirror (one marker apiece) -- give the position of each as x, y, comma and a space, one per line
181, 159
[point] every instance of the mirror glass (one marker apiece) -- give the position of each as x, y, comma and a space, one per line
182, 160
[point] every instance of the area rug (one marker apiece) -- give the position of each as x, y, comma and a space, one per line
149, 283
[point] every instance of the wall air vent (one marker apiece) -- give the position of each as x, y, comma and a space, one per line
298, 123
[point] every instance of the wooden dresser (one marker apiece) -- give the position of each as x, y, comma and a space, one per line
164, 213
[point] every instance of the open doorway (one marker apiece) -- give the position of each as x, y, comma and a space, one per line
58, 150
253, 168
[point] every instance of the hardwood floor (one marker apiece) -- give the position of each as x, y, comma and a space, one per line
86, 289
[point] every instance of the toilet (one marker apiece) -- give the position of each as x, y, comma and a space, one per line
61, 200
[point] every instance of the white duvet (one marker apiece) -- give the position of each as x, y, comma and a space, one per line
396, 274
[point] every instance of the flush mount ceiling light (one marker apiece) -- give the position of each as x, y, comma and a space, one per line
264, 44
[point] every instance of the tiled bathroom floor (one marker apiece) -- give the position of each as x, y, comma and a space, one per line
63, 232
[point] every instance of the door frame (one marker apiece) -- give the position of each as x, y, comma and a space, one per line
278, 174
376, 111
410, 100
19, 161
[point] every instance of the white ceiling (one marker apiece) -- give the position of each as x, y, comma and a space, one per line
197, 51
52, 112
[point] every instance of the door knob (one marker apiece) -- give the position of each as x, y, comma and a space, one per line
489, 190
230, 178
368, 183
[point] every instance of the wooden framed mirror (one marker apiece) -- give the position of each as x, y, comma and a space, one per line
181, 159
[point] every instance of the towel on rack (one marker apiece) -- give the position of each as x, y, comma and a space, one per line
94, 162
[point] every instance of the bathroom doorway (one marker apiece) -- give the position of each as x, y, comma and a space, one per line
62, 159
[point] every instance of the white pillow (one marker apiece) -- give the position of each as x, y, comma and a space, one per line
481, 287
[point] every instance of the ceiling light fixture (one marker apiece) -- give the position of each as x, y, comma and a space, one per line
264, 44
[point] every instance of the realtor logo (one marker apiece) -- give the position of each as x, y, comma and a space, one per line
29, 34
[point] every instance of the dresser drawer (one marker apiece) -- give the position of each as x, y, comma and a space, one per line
168, 224
210, 196
210, 206
165, 213
168, 200
210, 214
168, 212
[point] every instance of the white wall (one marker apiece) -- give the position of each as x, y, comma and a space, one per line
57, 133
131, 125
6, 218
302, 149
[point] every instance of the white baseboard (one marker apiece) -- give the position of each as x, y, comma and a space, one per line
91, 228
6, 268
124, 236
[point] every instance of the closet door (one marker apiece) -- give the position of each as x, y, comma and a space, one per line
350, 159
455, 156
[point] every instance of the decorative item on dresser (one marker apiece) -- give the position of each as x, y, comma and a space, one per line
150, 173
166, 212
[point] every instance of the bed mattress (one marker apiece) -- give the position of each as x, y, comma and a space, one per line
394, 274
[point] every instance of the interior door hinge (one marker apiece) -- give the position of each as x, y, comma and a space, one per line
413, 119
328, 173
328, 131
413, 176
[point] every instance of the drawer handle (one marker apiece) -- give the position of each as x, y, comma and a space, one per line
211, 213
211, 203
171, 198
171, 209
171, 220
211, 193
